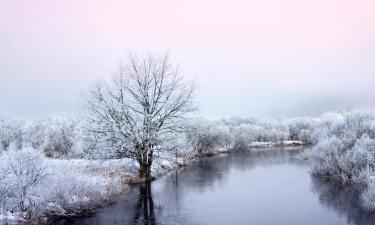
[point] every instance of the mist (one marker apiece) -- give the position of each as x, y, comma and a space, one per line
283, 62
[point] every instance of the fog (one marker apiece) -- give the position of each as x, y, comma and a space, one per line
250, 58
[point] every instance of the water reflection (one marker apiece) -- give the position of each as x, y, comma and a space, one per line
144, 213
137, 208
268, 188
204, 174
343, 199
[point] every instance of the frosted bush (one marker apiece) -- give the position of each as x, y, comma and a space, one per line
347, 151
354, 125
296, 126
240, 133
202, 136
33, 186
56, 137
363, 152
333, 157
35, 133
11, 135
308, 136
76, 185
20, 172
61, 140
66, 192
327, 156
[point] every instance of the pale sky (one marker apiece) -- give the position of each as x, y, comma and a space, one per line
270, 58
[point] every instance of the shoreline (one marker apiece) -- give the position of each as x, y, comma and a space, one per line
134, 181
128, 179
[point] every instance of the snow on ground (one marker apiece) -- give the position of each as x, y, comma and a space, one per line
259, 144
8, 218
67, 187
64, 187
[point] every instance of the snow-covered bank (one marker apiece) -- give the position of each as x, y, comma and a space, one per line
34, 187
268, 144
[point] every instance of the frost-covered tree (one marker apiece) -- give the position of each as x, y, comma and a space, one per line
203, 135
35, 133
60, 137
145, 101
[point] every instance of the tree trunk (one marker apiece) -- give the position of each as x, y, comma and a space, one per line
145, 162
144, 170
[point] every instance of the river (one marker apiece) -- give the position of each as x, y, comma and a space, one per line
261, 188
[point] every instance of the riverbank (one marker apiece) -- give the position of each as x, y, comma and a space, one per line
66, 188
71, 187
79, 186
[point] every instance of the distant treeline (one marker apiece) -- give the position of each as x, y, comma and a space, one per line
66, 137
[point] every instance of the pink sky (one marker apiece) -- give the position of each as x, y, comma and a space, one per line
247, 55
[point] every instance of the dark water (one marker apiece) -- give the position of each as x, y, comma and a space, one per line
265, 188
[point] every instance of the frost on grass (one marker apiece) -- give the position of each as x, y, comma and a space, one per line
32, 186
20, 174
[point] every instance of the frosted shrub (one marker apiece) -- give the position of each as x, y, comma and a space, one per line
327, 156
354, 126
304, 129
279, 134
56, 137
10, 134
59, 143
362, 159
225, 136
243, 136
308, 136
20, 172
60, 137
347, 152
66, 192
333, 157
202, 136
260, 131
295, 127
32, 186
35, 134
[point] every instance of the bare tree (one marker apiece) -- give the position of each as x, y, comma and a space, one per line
142, 105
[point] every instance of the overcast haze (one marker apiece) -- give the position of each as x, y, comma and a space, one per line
269, 58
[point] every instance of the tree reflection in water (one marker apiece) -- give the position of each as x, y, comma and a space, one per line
137, 208
144, 211
343, 199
